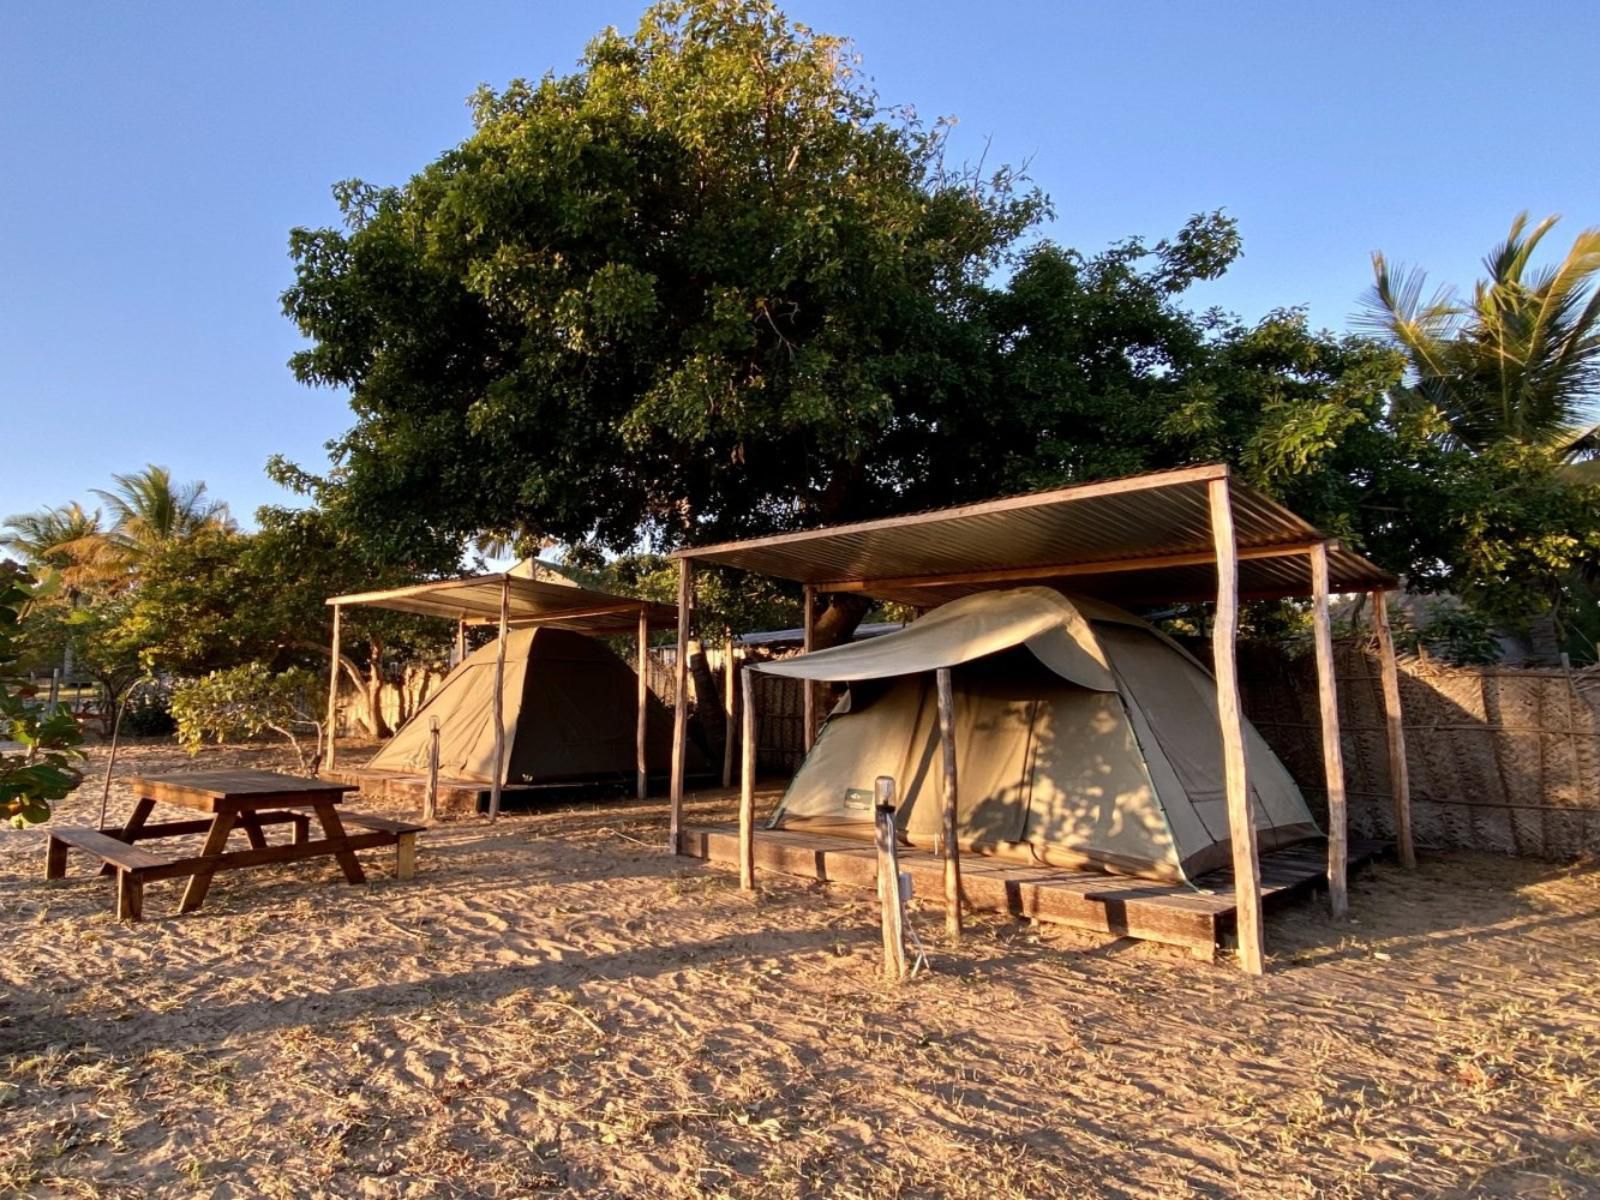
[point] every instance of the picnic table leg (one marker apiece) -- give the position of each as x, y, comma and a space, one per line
194, 895
253, 830
55, 859
334, 828
130, 831
130, 896
302, 829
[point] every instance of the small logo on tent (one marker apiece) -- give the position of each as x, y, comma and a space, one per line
857, 800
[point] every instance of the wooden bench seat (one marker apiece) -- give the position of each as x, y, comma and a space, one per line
405, 835
130, 863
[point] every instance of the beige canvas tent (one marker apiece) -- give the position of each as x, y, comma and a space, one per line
1083, 737
568, 710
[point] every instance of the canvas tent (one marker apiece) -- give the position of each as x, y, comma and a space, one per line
1083, 737
567, 706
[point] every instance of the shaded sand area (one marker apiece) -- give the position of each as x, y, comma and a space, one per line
556, 1007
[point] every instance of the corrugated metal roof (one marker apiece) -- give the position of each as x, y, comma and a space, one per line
1139, 539
476, 598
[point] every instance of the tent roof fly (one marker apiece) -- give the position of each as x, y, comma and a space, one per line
1143, 539
531, 602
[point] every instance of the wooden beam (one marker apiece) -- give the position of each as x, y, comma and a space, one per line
747, 784
498, 782
680, 712
1332, 751
1109, 566
333, 692
642, 717
1224, 650
430, 804
461, 640
951, 842
1153, 481
558, 615
809, 623
1399, 769
729, 705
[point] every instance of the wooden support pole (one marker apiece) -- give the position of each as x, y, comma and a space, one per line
680, 712
1332, 751
641, 726
809, 628
333, 692
747, 784
1241, 822
430, 808
1399, 769
729, 705
892, 912
951, 844
498, 781
461, 641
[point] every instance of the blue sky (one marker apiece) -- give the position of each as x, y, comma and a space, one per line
156, 156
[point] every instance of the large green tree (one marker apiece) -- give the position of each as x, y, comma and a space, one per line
685, 292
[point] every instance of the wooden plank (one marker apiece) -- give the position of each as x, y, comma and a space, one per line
194, 895
333, 694
641, 727
252, 830
430, 804
386, 824
680, 712
892, 912
209, 789
729, 706
165, 829
1394, 732
1110, 566
1241, 824
951, 843
102, 845
405, 857
55, 858
234, 860
1332, 751
499, 779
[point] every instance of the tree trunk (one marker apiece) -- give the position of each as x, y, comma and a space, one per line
838, 621
707, 699
374, 690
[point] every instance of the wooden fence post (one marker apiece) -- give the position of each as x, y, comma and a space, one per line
891, 911
641, 726
333, 694
680, 712
498, 781
1224, 651
952, 848
809, 632
1332, 750
729, 703
430, 808
1394, 728
747, 784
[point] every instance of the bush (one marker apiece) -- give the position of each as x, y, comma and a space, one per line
148, 711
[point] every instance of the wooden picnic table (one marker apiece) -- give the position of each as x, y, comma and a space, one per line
247, 800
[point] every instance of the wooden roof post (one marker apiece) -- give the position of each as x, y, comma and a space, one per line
1332, 752
952, 848
680, 712
461, 640
333, 692
498, 781
641, 724
1399, 770
747, 784
809, 627
729, 705
1241, 822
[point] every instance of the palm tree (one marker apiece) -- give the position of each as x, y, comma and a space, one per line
67, 540
148, 509
1520, 362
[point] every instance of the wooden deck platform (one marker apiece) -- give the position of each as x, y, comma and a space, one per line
1202, 920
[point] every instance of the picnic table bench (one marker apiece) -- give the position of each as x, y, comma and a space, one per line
244, 800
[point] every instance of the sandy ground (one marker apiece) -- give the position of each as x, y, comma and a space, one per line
555, 1007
